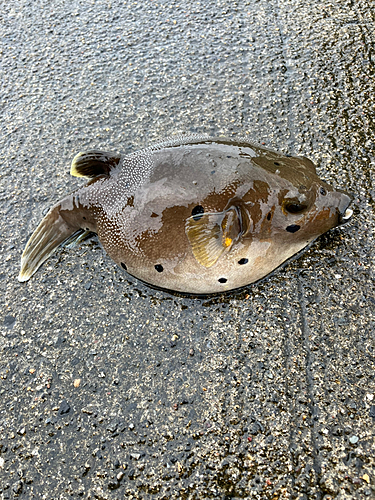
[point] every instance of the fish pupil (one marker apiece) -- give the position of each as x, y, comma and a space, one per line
276, 163
159, 268
323, 191
222, 280
197, 212
269, 216
295, 208
123, 266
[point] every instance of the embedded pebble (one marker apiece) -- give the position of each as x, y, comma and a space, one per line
64, 407
17, 487
354, 439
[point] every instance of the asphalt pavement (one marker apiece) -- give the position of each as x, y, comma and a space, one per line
112, 390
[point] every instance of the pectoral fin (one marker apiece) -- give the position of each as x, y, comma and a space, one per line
90, 164
211, 234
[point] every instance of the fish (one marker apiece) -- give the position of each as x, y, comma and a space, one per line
192, 214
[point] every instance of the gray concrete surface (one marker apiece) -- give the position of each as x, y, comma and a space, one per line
111, 390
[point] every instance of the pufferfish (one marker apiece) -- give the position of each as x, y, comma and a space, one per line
194, 214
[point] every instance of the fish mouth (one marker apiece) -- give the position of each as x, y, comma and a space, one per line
346, 216
345, 213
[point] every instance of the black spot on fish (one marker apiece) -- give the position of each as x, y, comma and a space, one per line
84, 218
197, 212
242, 262
269, 216
159, 268
222, 280
323, 191
124, 266
229, 157
293, 228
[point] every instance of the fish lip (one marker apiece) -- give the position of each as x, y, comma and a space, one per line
346, 216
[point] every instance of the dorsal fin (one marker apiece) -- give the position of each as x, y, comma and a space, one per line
310, 166
92, 163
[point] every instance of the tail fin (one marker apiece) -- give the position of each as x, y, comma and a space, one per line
52, 232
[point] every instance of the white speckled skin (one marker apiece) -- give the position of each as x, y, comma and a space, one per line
142, 208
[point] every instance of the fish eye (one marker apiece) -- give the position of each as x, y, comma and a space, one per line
295, 208
323, 191
197, 212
